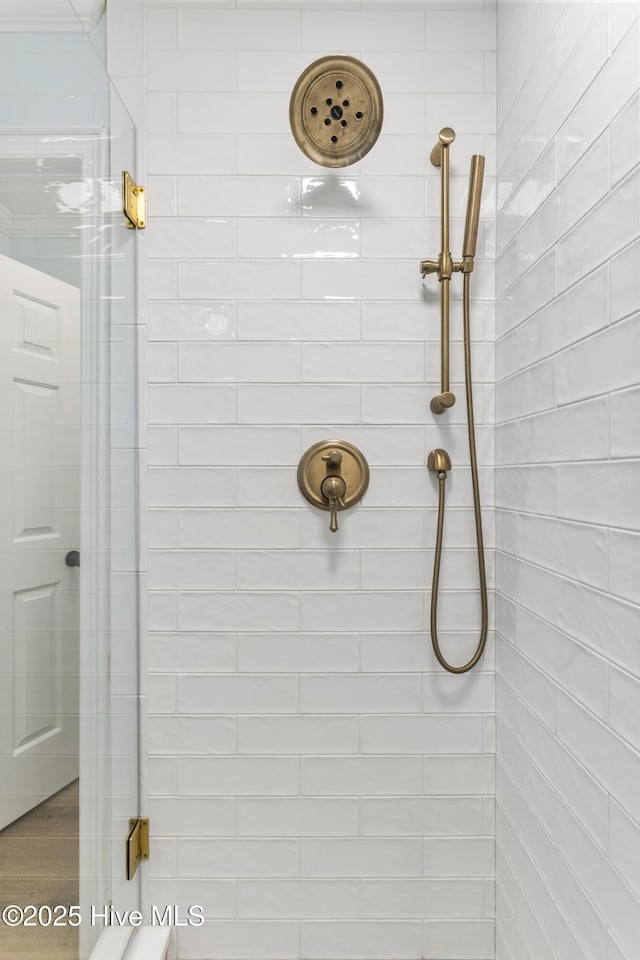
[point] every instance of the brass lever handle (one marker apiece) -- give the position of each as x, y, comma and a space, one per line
334, 506
333, 489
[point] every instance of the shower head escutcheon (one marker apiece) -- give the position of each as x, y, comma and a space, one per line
336, 111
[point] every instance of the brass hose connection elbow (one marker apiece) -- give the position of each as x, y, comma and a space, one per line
439, 461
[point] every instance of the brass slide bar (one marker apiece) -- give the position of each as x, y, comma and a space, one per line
443, 267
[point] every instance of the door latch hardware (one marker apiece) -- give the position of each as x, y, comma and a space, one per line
137, 844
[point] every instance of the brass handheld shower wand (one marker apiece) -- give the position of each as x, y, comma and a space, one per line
439, 461
476, 175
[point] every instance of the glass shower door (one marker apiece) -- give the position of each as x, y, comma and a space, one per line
109, 664
68, 546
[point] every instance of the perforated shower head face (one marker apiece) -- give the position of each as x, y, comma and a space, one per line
336, 111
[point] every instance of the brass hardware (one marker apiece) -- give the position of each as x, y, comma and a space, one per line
333, 458
333, 475
442, 402
336, 111
476, 175
444, 267
442, 478
134, 202
429, 266
445, 139
438, 460
334, 489
137, 844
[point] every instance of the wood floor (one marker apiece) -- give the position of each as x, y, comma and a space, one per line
39, 865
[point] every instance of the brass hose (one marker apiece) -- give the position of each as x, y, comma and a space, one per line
442, 479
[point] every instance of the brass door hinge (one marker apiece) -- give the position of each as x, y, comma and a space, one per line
137, 844
134, 202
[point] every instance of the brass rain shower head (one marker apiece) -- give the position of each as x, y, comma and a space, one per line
336, 111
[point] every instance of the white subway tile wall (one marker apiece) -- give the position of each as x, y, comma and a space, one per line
314, 779
567, 481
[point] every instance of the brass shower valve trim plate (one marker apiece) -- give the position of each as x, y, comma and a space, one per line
333, 475
336, 111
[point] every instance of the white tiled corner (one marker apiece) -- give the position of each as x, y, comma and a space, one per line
566, 464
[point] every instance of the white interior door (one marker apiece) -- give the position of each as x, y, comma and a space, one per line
39, 526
